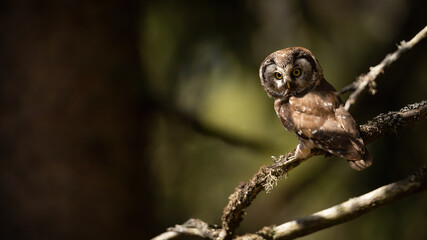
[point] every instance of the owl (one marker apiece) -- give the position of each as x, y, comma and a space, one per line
309, 106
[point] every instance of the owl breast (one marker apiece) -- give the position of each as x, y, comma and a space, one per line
312, 109
319, 119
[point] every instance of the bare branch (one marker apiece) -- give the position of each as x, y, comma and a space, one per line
346, 211
369, 79
192, 227
167, 235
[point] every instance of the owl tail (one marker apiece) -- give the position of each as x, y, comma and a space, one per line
363, 163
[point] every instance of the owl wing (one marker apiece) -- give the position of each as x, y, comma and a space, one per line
339, 135
320, 118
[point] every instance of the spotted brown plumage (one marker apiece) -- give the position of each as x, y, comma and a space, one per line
308, 106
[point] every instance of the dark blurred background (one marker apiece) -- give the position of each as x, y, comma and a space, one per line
122, 118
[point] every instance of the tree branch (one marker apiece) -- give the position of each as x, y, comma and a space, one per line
368, 79
266, 177
193, 227
346, 211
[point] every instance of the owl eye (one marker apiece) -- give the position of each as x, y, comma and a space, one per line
278, 75
296, 72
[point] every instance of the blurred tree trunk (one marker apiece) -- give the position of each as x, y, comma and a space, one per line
71, 130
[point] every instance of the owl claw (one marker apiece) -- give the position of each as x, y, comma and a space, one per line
280, 161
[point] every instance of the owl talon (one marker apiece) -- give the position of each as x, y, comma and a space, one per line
280, 161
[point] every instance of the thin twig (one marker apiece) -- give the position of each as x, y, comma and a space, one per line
369, 79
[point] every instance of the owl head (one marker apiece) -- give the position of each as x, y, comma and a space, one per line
290, 72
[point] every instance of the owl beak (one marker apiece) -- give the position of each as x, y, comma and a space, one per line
287, 82
283, 84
